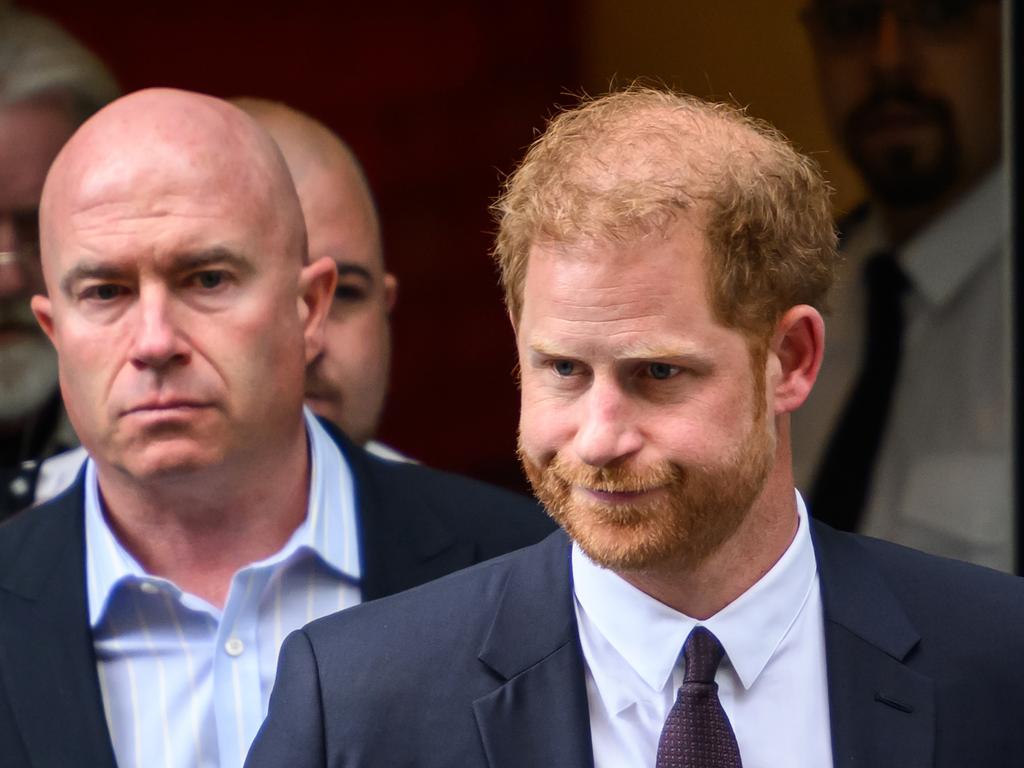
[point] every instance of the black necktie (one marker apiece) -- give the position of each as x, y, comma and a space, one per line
697, 733
844, 476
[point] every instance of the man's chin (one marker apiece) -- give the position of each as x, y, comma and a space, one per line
163, 460
906, 171
623, 548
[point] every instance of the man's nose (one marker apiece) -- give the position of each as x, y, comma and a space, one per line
158, 341
608, 431
890, 52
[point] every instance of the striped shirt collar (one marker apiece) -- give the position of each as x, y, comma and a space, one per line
328, 532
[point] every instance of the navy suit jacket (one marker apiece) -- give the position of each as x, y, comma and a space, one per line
484, 668
415, 524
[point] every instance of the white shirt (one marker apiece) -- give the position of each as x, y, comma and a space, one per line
384, 451
942, 479
771, 682
57, 473
184, 683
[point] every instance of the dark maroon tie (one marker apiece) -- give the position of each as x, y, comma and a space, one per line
844, 477
697, 733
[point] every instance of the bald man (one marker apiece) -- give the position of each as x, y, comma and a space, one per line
347, 382
141, 612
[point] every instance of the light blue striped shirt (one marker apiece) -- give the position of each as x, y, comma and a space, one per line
187, 684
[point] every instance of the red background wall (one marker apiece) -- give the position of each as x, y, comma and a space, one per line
436, 99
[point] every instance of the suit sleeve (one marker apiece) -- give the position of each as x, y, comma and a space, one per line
293, 733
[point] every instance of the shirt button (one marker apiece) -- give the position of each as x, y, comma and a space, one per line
149, 587
234, 646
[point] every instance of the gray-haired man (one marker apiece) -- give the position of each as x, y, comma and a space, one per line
49, 84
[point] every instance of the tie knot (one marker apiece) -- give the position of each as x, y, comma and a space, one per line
703, 653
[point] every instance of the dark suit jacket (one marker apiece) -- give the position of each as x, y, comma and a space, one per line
484, 668
415, 524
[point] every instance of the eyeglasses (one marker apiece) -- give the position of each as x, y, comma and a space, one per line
850, 24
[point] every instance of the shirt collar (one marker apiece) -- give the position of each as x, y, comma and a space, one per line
329, 530
649, 635
944, 255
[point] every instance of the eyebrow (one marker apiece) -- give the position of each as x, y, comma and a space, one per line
632, 351
187, 262
89, 271
346, 268
687, 354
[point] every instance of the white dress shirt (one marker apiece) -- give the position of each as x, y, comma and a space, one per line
385, 451
942, 479
771, 682
185, 683
57, 473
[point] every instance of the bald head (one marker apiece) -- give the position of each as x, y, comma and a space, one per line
171, 144
348, 382
329, 180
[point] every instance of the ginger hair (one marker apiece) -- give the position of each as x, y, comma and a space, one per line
626, 165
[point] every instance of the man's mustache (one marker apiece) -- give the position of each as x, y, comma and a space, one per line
900, 96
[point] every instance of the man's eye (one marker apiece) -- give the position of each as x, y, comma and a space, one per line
564, 367
104, 292
662, 370
209, 279
349, 293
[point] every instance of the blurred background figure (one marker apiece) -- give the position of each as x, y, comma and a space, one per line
348, 381
907, 435
49, 84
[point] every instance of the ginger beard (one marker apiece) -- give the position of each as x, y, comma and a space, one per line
697, 510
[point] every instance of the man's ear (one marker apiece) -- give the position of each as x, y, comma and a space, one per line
799, 345
42, 308
316, 292
390, 291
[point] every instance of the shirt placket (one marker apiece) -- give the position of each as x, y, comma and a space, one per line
236, 671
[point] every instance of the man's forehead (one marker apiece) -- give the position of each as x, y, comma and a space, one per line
163, 176
127, 171
342, 225
678, 245
655, 283
154, 138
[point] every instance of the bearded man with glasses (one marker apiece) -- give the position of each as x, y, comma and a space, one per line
49, 84
908, 436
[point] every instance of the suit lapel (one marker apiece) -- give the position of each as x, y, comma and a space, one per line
47, 662
538, 715
882, 712
402, 542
